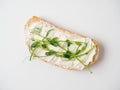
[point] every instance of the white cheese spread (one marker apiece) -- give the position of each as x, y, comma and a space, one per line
86, 59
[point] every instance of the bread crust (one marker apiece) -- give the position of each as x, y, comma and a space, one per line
37, 19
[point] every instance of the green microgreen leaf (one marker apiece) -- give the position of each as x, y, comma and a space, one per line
48, 32
78, 43
51, 52
44, 46
33, 47
84, 47
53, 41
35, 44
68, 43
67, 54
77, 52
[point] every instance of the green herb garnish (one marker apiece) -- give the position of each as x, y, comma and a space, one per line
77, 50
85, 53
68, 43
78, 43
47, 34
50, 52
44, 46
35, 44
86, 66
53, 41
84, 47
66, 53
33, 47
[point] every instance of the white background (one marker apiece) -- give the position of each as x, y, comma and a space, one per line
99, 19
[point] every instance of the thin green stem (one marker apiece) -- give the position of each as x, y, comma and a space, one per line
61, 40
86, 66
62, 48
41, 36
32, 54
86, 52
77, 48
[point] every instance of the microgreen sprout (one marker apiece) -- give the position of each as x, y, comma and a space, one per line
65, 53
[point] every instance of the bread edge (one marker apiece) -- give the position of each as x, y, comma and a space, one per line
34, 19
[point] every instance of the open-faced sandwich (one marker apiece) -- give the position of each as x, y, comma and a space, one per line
59, 46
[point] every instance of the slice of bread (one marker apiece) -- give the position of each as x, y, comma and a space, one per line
36, 19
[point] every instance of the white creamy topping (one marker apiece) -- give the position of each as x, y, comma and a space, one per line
62, 36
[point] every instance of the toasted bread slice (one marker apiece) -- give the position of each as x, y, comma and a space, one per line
69, 64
